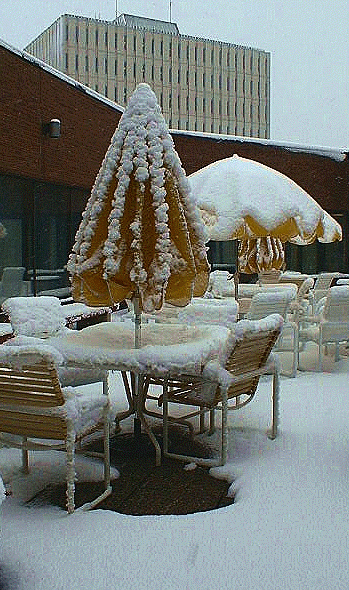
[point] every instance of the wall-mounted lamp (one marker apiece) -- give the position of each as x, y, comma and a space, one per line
52, 129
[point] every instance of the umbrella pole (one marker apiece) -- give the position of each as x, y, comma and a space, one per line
138, 377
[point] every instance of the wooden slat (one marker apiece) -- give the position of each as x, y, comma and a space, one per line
30, 425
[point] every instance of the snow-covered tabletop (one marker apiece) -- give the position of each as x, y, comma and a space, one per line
165, 349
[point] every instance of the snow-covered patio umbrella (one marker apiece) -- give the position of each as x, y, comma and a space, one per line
245, 200
141, 236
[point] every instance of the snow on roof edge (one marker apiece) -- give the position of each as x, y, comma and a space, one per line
44, 66
338, 154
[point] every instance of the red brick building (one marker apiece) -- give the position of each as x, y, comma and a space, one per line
44, 181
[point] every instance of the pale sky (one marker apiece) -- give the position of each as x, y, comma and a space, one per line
307, 39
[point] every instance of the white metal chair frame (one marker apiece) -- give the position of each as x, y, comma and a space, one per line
332, 324
249, 359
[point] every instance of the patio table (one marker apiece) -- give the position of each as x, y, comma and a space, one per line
166, 349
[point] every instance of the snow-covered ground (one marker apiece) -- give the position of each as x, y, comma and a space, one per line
288, 529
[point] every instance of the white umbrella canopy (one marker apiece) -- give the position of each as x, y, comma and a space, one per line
242, 199
141, 236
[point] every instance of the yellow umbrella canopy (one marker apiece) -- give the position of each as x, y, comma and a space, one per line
242, 199
141, 233
258, 255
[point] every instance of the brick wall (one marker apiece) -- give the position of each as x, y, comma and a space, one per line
31, 96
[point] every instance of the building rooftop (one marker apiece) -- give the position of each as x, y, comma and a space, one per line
150, 24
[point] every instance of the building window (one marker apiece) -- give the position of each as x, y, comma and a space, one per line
86, 36
204, 54
170, 49
179, 50
152, 72
115, 66
196, 53
106, 65
67, 33
106, 90
106, 38
188, 52
143, 71
96, 36
125, 95
115, 94
170, 76
179, 76
76, 63
161, 48
125, 41
134, 43
152, 46
66, 61
161, 73
179, 102
96, 87
77, 34
143, 45
203, 79
125, 68
86, 63
116, 40
96, 64
134, 70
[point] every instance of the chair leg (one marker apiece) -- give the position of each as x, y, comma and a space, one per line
25, 457
106, 429
275, 405
202, 421
212, 422
70, 449
224, 450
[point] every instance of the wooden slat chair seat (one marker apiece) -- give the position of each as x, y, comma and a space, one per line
227, 388
42, 415
279, 301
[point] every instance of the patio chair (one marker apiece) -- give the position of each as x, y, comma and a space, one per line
37, 414
269, 277
227, 388
278, 301
41, 318
299, 307
332, 323
321, 287
221, 284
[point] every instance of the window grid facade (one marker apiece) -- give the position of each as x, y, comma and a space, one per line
201, 84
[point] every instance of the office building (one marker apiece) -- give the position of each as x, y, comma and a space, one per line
201, 84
